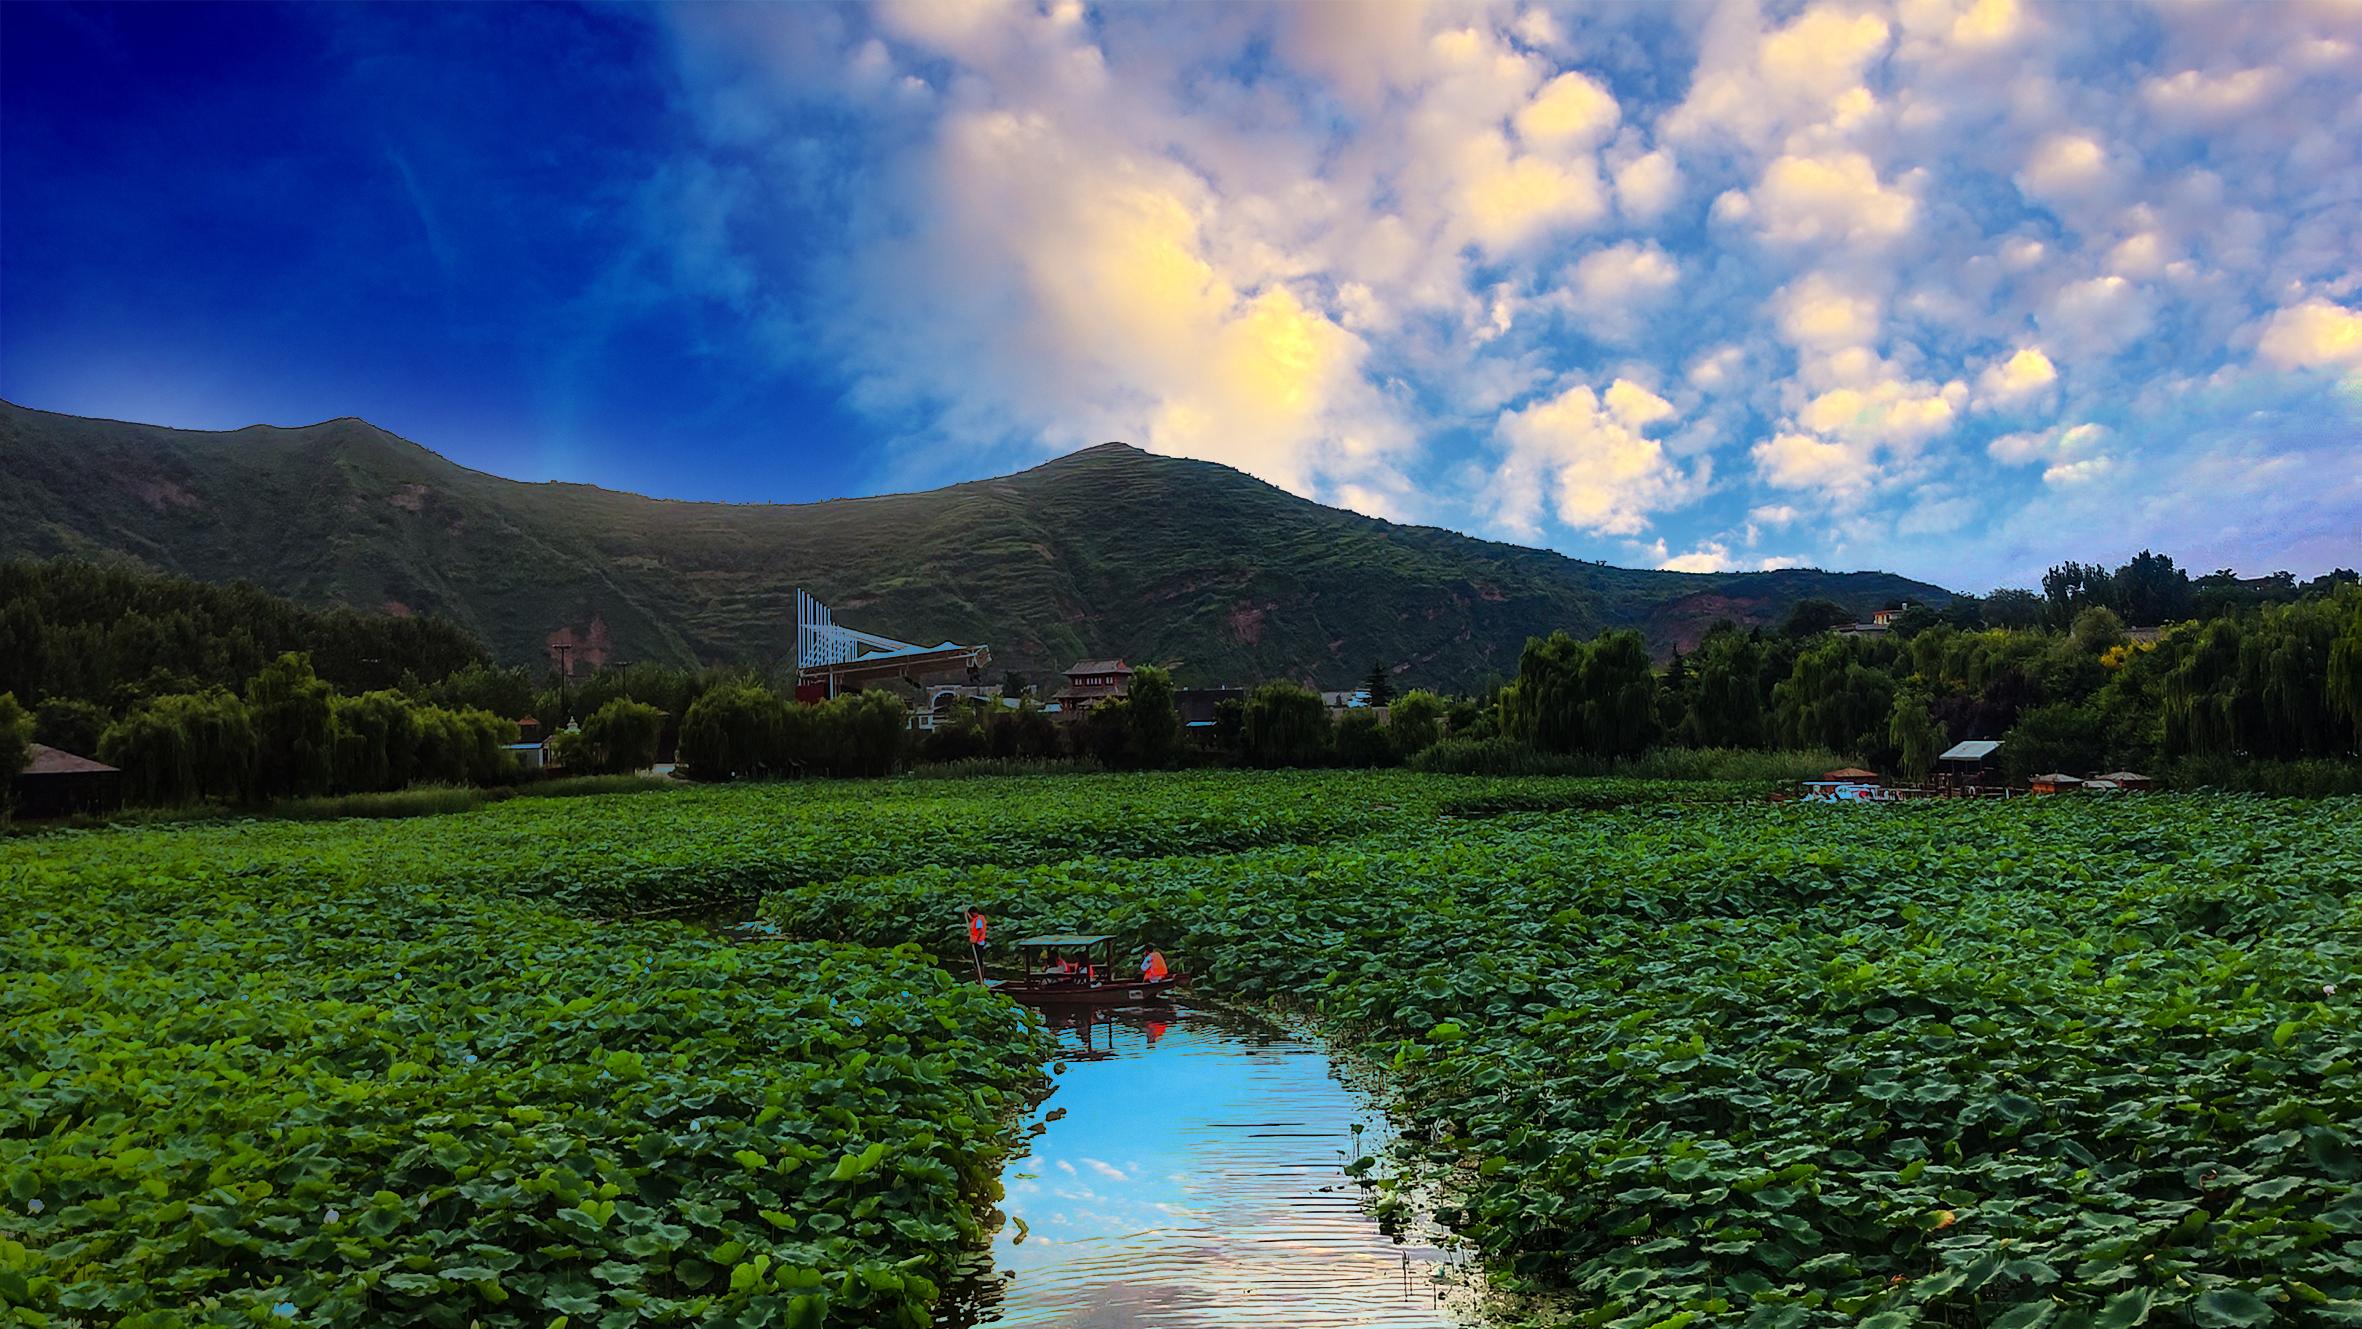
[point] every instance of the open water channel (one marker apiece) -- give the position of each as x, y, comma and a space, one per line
1187, 1171
1191, 1172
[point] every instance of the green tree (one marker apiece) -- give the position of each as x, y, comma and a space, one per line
2096, 629
1152, 721
1415, 722
376, 741
1836, 697
1359, 741
2062, 736
2149, 591
1811, 618
1379, 684
620, 737
462, 746
1596, 697
294, 728
1230, 722
1012, 684
70, 725
504, 692
1725, 690
16, 739
736, 731
1913, 733
1285, 724
2014, 609
183, 748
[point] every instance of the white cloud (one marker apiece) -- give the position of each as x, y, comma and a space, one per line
2065, 165
1508, 199
1624, 274
2079, 472
2315, 334
1819, 312
1636, 406
2052, 445
1571, 110
1711, 556
2098, 316
2025, 375
1716, 368
2196, 94
1599, 470
1836, 198
1889, 411
1772, 514
1647, 185
1801, 461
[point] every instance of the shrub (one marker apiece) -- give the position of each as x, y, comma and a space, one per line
1498, 756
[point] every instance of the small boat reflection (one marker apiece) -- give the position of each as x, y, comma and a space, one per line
1098, 1033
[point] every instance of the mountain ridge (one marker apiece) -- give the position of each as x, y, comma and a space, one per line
1110, 550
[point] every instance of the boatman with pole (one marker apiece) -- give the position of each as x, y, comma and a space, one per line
976, 940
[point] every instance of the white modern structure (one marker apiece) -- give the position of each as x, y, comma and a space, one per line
832, 658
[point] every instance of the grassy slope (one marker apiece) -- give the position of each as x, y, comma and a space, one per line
1111, 551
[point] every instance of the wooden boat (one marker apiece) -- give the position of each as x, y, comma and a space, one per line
1096, 981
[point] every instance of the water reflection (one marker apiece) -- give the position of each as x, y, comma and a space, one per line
1200, 1185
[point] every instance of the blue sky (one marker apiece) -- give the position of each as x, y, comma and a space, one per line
1952, 287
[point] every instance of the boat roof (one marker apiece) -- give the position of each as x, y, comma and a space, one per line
1065, 939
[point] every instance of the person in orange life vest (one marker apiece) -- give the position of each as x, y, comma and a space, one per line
976, 941
1152, 966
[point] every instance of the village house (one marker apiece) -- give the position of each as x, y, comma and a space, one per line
55, 783
1091, 682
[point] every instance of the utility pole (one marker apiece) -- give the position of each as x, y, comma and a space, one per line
565, 654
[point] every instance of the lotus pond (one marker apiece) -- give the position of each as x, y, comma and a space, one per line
1669, 1054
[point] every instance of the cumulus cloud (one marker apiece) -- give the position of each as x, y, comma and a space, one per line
1712, 556
1836, 198
1803, 461
1590, 459
1571, 109
2025, 375
2313, 335
1647, 185
2065, 165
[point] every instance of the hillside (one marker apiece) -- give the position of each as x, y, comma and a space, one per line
1111, 551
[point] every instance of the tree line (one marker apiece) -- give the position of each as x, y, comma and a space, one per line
144, 672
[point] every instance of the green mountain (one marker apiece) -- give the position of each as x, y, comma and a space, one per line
1108, 552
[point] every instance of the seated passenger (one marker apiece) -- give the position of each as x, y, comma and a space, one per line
1152, 966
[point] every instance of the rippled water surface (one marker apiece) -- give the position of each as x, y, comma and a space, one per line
1192, 1173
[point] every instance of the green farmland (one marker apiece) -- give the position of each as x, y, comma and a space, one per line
1672, 1055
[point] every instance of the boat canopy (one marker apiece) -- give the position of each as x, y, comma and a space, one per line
1064, 939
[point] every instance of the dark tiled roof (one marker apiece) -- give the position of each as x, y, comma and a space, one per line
43, 759
1100, 667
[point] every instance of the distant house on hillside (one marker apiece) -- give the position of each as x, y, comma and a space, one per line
1091, 682
1881, 621
58, 784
